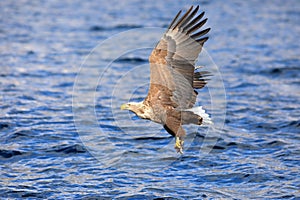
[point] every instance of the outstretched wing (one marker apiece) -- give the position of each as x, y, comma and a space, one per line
172, 62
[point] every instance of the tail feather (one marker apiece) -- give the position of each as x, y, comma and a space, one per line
201, 112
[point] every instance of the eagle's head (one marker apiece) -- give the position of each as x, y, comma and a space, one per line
137, 107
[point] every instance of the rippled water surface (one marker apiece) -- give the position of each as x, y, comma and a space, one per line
51, 148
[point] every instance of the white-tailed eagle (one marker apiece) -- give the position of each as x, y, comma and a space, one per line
174, 77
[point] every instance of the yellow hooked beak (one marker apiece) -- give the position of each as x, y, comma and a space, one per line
124, 106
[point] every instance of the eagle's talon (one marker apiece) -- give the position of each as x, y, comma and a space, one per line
179, 145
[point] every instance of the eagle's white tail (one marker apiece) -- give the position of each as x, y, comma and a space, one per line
201, 112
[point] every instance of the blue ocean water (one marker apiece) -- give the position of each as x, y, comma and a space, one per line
62, 136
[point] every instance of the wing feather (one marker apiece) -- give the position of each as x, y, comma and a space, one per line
194, 21
174, 20
200, 33
182, 19
172, 62
188, 18
197, 26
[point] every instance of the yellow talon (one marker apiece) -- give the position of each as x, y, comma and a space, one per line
179, 145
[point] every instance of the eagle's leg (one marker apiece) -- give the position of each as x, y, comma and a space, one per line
173, 126
179, 144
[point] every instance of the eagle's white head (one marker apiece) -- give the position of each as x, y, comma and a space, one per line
138, 108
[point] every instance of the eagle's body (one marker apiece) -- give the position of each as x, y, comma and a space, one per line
173, 78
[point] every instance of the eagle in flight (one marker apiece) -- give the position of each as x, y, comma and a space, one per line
174, 77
